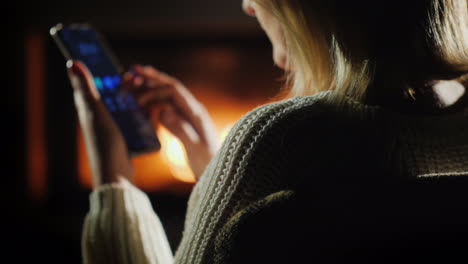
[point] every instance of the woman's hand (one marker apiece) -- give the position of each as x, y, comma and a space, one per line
168, 101
107, 152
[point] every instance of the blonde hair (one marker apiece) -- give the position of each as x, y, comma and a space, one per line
357, 46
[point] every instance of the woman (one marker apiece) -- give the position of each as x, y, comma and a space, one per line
380, 90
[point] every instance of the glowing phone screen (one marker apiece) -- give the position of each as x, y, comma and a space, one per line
84, 44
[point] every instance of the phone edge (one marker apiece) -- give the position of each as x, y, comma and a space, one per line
54, 30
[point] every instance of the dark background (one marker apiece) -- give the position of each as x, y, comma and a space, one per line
183, 37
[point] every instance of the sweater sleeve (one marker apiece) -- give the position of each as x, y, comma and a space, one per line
121, 227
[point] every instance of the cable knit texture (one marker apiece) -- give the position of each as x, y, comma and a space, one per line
267, 155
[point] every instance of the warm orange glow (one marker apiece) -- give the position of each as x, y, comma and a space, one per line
225, 132
84, 170
168, 169
172, 159
175, 156
151, 171
157, 171
36, 139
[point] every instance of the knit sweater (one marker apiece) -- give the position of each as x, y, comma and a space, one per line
271, 153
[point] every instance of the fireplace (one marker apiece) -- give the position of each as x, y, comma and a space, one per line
229, 70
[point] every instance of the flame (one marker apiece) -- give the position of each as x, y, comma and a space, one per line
174, 154
165, 169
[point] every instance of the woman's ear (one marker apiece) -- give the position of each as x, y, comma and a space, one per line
248, 6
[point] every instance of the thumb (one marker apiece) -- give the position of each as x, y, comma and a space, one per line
82, 80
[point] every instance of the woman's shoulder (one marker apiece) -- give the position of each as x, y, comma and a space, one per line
276, 118
272, 138
253, 158
262, 138
328, 103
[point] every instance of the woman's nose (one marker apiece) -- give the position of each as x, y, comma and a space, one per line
247, 5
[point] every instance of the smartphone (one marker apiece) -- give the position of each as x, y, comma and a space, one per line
82, 42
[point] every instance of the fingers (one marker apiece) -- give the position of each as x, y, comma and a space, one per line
87, 98
173, 105
151, 72
93, 114
182, 129
132, 82
106, 147
82, 80
199, 152
149, 97
160, 88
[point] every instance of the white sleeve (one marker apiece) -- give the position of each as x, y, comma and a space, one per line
122, 227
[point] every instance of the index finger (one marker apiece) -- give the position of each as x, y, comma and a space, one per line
79, 70
183, 100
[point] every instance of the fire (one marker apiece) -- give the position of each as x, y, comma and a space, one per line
175, 156
169, 167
